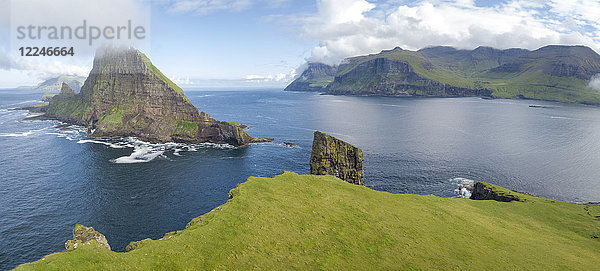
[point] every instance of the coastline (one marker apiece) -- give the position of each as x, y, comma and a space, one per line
229, 222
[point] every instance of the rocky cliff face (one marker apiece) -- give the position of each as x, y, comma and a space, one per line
485, 191
331, 156
383, 76
66, 90
126, 95
315, 78
83, 235
554, 73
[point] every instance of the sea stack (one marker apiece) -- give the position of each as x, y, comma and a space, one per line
66, 90
126, 95
331, 156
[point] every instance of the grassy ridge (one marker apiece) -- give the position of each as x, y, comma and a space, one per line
556, 73
160, 75
319, 222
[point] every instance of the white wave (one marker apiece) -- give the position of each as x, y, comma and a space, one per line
114, 146
465, 186
20, 103
563, 118
28, 133
265, 117
141, 154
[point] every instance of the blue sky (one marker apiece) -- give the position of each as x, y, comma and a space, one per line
260, 43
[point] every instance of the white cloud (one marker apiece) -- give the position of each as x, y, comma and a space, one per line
595, 82
5, 61
201, 7
51, 69
280, 77
353, 27
181, 80
61, 13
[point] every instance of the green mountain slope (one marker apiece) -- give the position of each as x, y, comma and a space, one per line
316, 77
556, 73
320, 222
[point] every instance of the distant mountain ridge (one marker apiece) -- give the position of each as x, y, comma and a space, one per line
55, 84
554, 72
316, 77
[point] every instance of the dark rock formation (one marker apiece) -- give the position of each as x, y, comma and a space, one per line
126, 95
136, 244
34, 108
83, 235
47, 96
315, 78
55, 84
66, 90
485, 191
331, 156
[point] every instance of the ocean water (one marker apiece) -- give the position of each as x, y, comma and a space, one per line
51, 178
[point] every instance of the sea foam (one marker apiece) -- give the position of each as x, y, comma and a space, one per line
463, 186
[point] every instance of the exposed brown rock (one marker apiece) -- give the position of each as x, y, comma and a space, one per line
83, 235
485, 191
126, 95
331, 156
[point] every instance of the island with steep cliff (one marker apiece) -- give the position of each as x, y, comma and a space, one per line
126, 95
553, 73
318, 221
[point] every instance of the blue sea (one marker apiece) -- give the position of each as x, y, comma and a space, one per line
52, 178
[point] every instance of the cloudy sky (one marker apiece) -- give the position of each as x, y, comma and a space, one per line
262, 43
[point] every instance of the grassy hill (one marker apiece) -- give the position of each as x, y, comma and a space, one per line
320, 222
316, 77
555, 73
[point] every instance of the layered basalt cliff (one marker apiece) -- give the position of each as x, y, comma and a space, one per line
383, 76
126, 95
554, 73
331, 156
316, 77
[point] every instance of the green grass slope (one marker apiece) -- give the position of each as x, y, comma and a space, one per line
319, 222
555, 73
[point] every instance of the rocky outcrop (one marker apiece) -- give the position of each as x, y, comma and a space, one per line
486, 191
331, 156
66, 90
47, 96
83, 235
55, 84
126, 95
316, 77
34, 108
